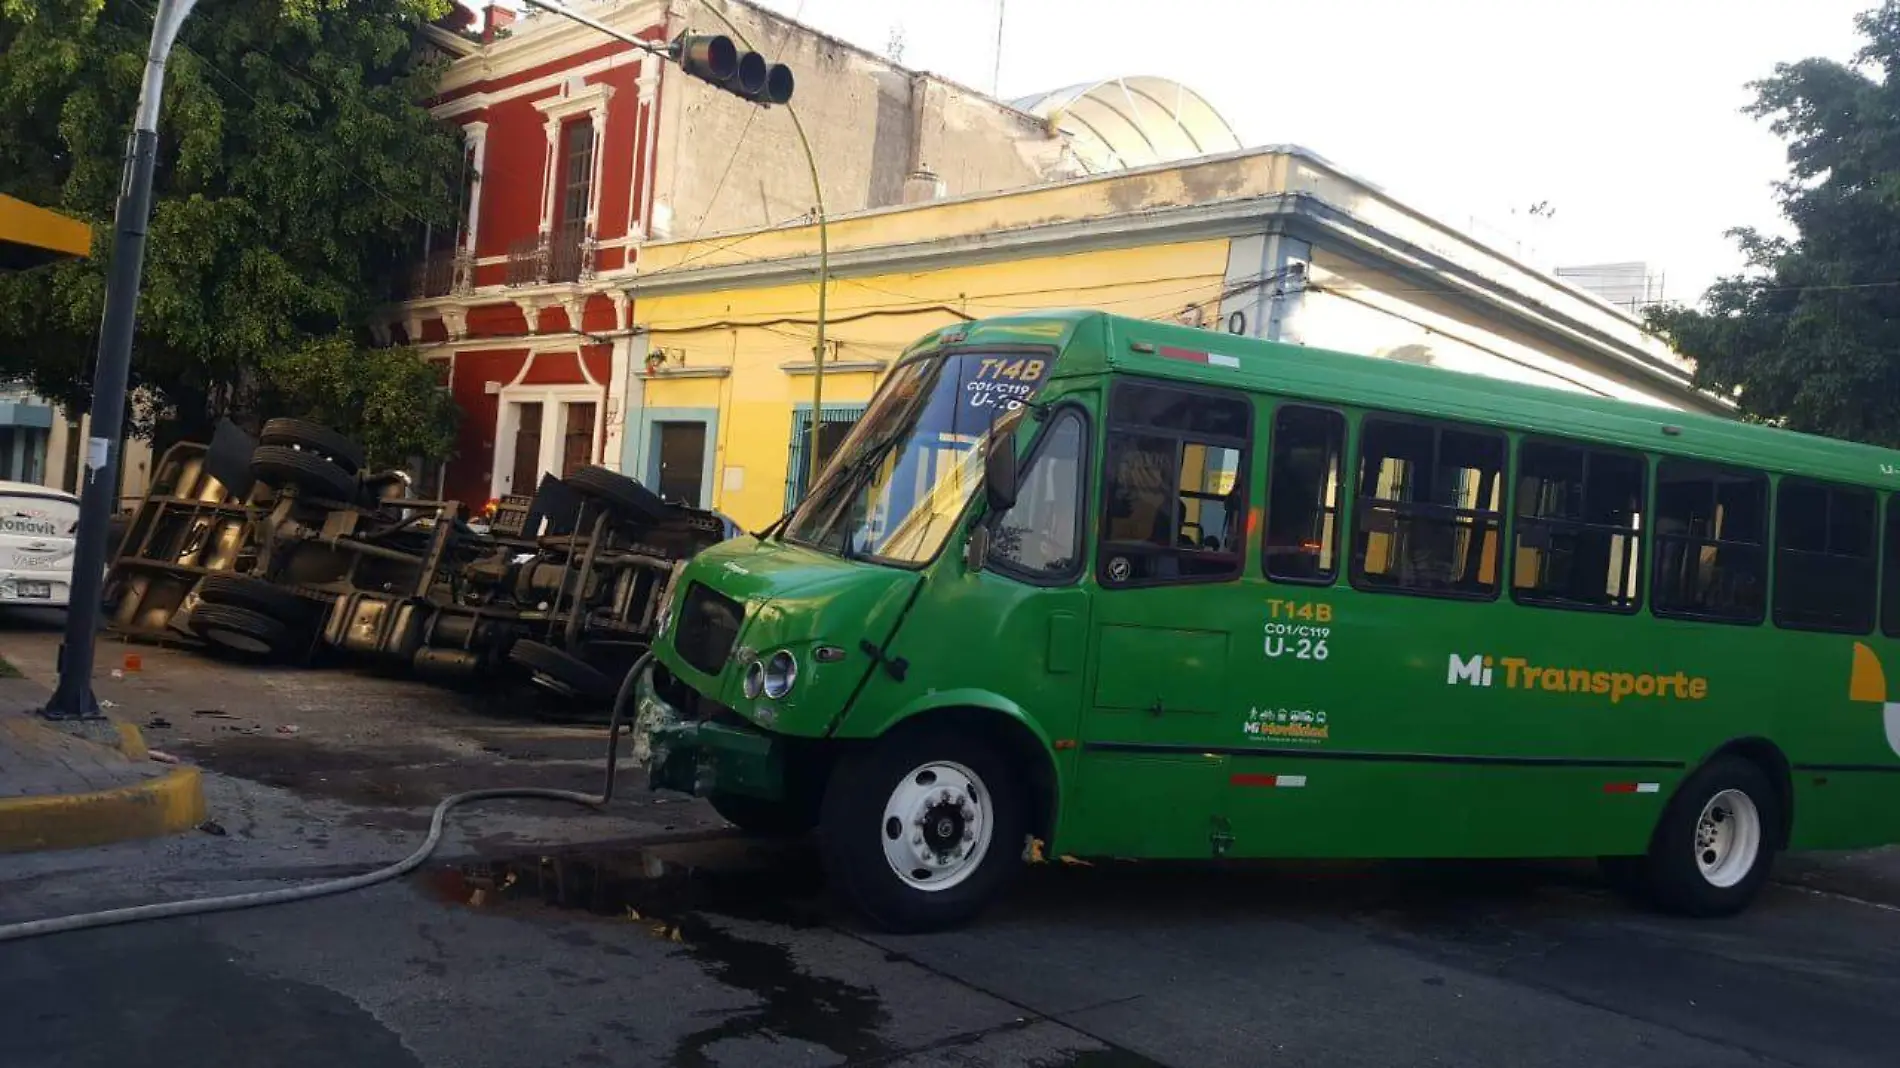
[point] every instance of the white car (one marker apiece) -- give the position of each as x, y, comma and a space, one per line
37, 526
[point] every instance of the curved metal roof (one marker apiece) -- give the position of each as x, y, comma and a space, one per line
1133, 122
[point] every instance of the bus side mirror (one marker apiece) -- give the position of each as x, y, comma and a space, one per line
999, 473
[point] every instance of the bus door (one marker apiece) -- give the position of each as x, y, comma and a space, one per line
1168, 611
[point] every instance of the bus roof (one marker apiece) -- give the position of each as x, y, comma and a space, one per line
1105, 342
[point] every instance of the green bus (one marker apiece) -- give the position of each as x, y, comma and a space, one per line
1085, 585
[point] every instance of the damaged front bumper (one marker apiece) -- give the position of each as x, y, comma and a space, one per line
699, 756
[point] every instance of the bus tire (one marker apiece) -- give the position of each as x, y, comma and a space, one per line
755, 815
923, 829
1715, 845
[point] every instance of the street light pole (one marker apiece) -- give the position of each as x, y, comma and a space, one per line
73, 698
824, 271
817, 192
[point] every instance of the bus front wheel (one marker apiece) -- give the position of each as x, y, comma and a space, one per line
923, 829
1712, 852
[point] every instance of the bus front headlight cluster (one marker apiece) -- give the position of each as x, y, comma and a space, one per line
771, 676
780, 672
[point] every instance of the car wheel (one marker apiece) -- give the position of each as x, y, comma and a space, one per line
239, 629
562, 672
256, 594
922, 830
280, 466
755, 815
1713, 849
619, 492
306, 436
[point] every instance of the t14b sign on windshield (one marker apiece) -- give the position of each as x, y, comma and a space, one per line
1004, 381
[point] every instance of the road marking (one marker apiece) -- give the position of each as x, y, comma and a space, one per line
1881, 905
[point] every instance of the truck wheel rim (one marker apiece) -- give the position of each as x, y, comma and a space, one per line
937, 826
1727, 838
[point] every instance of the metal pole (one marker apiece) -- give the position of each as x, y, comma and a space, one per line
818, 196
73, 698
824, 268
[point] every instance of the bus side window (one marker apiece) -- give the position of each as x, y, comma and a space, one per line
1302, 535
1824, 557
1890, 571
1711, 526
1427, 516
1039, 538
1173, 486
1578, 537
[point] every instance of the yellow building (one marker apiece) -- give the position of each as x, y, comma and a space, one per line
1272, 242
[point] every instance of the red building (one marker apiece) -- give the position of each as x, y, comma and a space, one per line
581, 147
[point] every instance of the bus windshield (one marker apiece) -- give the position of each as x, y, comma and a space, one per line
898, 483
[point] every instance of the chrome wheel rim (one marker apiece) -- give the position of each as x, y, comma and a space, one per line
937, 826
1727, 838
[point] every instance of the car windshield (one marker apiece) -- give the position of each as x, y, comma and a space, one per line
31, 515
897, 484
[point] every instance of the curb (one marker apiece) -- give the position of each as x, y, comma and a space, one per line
168, 804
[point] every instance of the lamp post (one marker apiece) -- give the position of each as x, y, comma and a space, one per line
731, 81
73, 697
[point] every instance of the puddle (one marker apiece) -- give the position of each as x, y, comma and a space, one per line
679, 893
662, 886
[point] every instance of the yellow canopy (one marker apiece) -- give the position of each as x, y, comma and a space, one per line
30, 236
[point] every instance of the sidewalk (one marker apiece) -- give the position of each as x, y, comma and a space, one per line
61, 791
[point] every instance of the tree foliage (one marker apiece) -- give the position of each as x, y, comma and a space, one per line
296, 170
389, 400
1809, 335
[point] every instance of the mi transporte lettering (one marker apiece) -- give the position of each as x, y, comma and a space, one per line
1521, 674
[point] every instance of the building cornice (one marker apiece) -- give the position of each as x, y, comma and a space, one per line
1298, 213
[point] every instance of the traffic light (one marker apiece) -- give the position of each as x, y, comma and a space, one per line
714, 58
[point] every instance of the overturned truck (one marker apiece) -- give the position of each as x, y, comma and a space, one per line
287, 548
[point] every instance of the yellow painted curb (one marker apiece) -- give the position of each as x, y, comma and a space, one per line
131, 742
170, 803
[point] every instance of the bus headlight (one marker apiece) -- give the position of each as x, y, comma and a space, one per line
754, 683
780, 672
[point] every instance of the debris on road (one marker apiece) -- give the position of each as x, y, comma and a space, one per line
213, 827
158, 723
161, 756
286, 728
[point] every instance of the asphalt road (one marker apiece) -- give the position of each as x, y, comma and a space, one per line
655, 936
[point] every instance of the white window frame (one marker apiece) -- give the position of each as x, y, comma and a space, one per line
554, 401
577, 99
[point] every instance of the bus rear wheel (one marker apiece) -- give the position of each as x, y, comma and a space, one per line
1712, 852
923, 830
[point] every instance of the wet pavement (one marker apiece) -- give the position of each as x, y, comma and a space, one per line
655, 935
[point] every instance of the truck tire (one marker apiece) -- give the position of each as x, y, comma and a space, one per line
921, 831
239, 629
618, 492
256, 594
304, 435
279, 466
568, 672
1714, 846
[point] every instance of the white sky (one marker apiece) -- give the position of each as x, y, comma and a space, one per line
1622, 114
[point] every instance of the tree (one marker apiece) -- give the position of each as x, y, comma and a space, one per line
389, 401
296, 172
1809, 335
